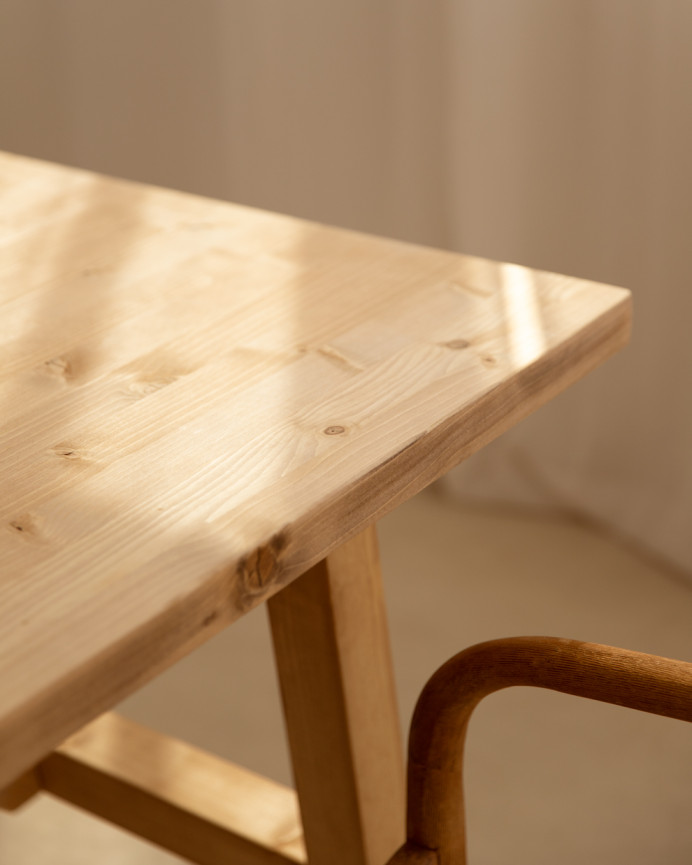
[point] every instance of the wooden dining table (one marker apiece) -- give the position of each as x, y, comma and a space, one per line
205, 407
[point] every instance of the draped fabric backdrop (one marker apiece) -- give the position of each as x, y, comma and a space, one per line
554, 134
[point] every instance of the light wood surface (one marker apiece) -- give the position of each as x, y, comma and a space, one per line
435, 809
199, 401
183, 799
333, 657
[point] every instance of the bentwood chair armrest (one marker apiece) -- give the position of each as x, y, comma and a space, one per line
435, 819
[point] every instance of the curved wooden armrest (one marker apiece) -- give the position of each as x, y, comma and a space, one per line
435, 793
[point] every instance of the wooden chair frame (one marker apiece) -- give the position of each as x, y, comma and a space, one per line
435, 811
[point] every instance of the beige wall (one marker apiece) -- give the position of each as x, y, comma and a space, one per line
327, 110
556, 134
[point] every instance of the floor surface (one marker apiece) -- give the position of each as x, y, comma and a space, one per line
549, 777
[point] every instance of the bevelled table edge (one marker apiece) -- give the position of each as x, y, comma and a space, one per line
233, 588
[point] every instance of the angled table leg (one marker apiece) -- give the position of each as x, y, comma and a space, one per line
333, 657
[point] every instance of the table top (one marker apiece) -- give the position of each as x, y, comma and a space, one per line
201, 400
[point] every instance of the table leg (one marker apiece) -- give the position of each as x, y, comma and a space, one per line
334, 663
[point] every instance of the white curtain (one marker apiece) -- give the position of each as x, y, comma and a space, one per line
554, 133
573, 137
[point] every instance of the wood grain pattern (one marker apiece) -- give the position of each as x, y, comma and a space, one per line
183, 799
333, 658
435, 808
199, 401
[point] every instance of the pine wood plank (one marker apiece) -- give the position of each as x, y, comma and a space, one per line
333, 658
200, 401
183, 799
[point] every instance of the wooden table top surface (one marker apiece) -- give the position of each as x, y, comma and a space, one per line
198, 401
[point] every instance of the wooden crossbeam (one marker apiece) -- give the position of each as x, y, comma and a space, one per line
174, 795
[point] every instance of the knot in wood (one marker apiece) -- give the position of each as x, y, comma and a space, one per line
261, 568
60, 367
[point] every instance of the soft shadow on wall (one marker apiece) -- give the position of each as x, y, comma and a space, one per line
572, 144
326, 111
